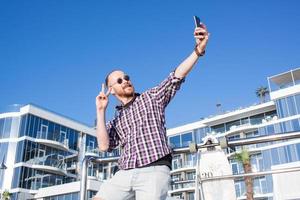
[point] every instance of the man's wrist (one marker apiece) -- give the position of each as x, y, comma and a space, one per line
101, 111
198, 53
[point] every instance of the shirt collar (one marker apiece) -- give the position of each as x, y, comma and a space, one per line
120, 107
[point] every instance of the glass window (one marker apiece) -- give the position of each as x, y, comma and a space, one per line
7, 127
190, 175
201, 133
234, 167
298, 150
288, 126
175, 141
270, 129
191, 159
282, 108
68, 197
234, 137
277, 128
190, 196
218, 128
291, 105
271, 113
232, 124
60, 197
1, 127
186, 139
295, 124
75, 196
297, 99
245, 120
238, 189
176, 162
256, 119
275, 157
20, 151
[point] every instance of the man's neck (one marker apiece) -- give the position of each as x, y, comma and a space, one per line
126, 100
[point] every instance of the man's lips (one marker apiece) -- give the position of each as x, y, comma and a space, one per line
127, 86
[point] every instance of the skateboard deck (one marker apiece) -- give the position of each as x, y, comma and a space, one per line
213, 163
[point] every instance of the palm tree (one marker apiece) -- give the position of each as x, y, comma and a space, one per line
6, 195
244, 158
261, 92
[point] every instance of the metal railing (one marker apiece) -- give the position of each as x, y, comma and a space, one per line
195, 148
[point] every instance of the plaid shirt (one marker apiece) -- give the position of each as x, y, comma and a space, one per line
139, 127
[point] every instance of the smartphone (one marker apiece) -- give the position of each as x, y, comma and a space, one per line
197, 21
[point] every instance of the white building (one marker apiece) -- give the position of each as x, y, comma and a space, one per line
42, 149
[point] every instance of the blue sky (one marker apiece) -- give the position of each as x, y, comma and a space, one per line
56, 53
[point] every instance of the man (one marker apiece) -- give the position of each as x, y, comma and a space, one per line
139, 128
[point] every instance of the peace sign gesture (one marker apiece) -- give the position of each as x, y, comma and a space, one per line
102, 98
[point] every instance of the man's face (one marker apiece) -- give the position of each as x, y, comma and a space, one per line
120, 84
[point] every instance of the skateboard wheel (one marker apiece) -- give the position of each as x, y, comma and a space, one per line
223, 142
193, 147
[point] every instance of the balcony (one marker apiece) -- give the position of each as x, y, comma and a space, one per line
179, 166
49, 163
182, 186
91, 151
284, 84
58, 143
284, 80
73, 166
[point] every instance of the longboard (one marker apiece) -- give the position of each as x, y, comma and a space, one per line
213, 162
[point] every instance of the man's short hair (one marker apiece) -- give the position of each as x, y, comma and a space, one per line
107, 76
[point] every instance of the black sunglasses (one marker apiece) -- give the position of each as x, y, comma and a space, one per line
120, 80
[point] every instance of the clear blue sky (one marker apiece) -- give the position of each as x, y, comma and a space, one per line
56, 53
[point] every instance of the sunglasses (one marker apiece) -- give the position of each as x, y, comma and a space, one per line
120, 80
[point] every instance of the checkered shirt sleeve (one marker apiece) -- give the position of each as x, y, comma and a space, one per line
167, 89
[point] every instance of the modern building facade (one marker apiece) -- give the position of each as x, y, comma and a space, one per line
43, 150
39, 149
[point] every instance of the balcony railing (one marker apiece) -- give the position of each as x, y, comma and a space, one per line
62, 143
49, 163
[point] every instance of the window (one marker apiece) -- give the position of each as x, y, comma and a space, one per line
232, 124
175, 141
256, 119
5, 126
234, 137
190, 175
234, 167
44, 132
176, 162
186, 139
218, 128
91, 145
238, 189
190, 196
63, 136
191, 159
245, 120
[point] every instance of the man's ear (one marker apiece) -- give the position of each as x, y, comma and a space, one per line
112, 91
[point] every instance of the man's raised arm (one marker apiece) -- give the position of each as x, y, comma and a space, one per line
101, 105
201, 36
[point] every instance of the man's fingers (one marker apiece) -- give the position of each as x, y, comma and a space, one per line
101, 96
202, 25
108, 92
103, 87
200, 32
199, 36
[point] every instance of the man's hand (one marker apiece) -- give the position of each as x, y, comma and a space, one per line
102, 99
201, 36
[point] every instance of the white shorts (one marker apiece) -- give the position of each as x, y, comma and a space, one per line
146, 183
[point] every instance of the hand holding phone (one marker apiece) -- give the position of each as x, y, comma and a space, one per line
197, 21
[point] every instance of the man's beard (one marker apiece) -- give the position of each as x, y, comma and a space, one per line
129, 94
